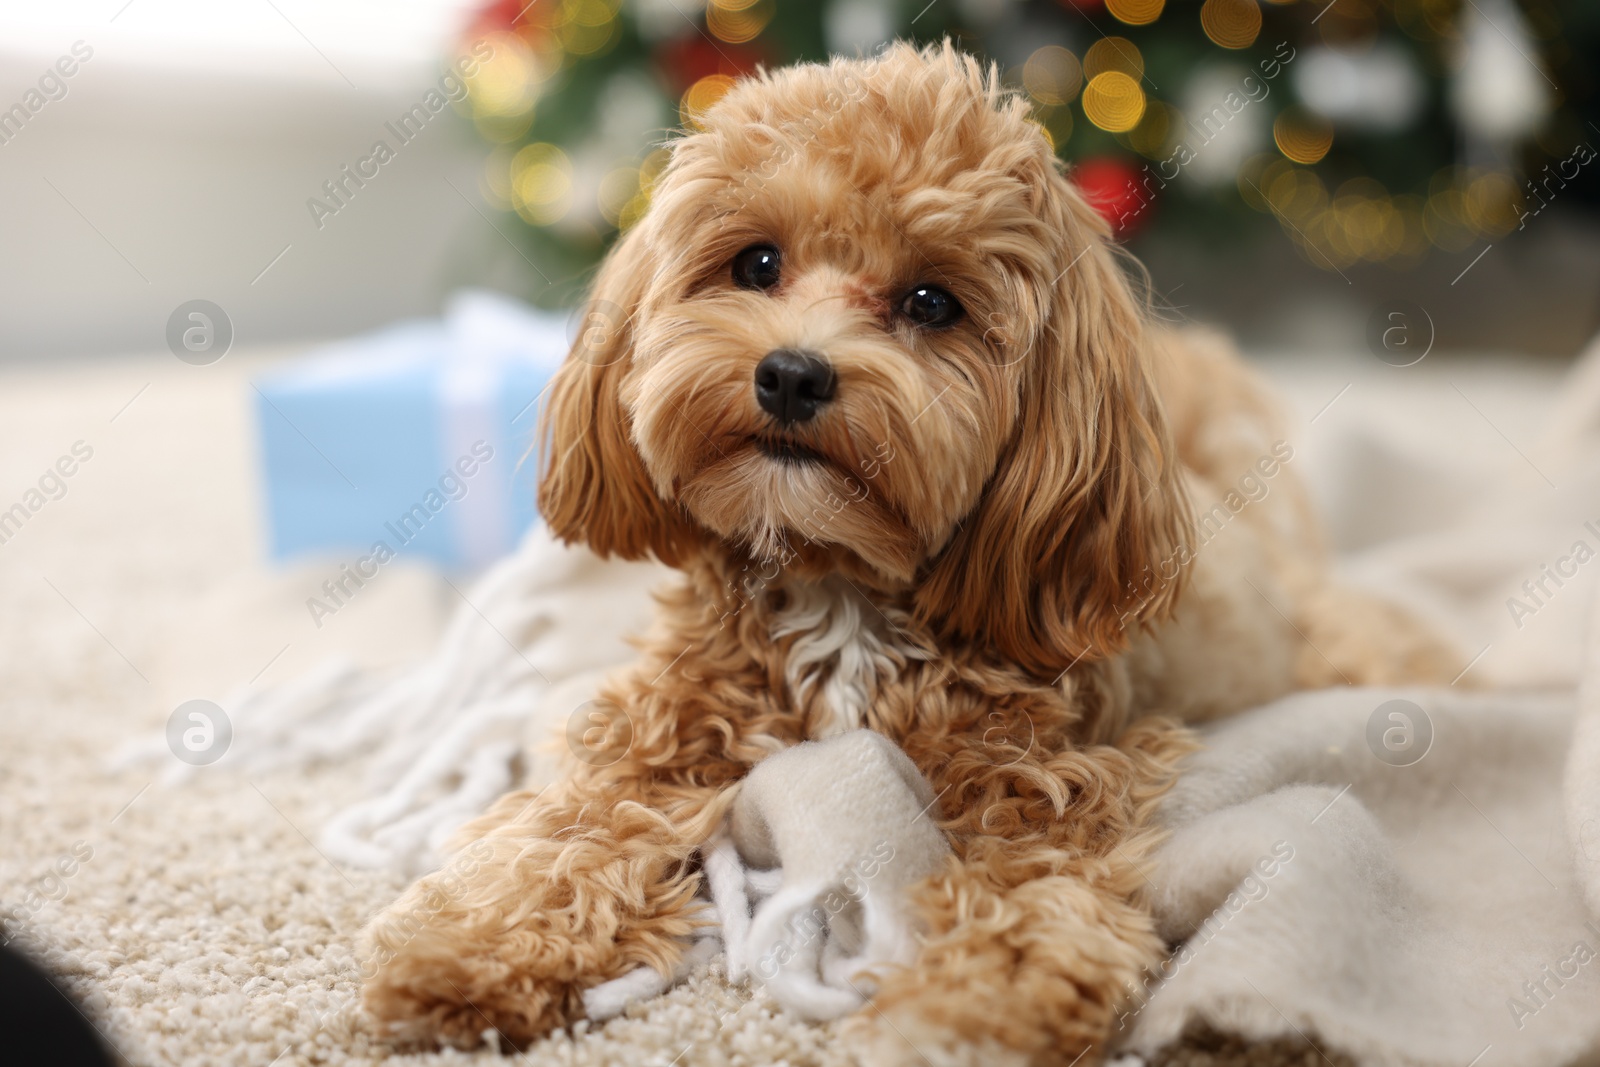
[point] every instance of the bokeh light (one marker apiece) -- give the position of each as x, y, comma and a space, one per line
1493, 203
1113, 54
1113, 101
587, 27
1052, 75
1135, 12
1231, 23
738, 21
700, 96
1302, 136
1153, 135
504, 85
1296, 194
541, 183
1361, 220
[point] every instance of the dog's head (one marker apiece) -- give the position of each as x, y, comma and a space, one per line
867, 326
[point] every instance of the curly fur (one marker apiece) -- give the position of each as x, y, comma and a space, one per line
976, 562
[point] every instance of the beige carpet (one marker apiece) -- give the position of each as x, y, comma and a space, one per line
205, 928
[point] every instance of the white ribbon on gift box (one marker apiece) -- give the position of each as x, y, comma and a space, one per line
469, 395
487, 334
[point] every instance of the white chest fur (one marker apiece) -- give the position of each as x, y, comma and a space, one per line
844, 649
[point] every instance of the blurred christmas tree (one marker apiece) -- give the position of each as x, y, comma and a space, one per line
1369, 130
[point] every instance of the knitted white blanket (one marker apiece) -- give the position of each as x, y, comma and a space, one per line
1413, 877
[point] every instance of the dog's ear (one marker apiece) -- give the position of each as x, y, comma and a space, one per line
593, 486
1078, 535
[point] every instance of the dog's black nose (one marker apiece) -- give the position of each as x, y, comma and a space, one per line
791, 385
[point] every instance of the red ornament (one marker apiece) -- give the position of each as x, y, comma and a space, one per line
1112, 188
530, 21
497, 15
688, 59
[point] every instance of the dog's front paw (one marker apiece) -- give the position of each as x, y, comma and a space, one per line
1031, 976
460, 1002
527, 918
439, 975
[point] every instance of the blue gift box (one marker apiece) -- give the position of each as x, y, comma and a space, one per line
416, 438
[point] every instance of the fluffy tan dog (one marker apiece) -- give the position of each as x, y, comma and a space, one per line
870, 375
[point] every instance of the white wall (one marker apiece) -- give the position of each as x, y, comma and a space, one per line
179, 162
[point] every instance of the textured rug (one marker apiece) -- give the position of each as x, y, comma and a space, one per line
192, 917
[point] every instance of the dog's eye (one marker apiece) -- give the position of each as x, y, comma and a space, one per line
928, 305
756, 267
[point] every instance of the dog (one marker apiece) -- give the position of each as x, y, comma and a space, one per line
871, 374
